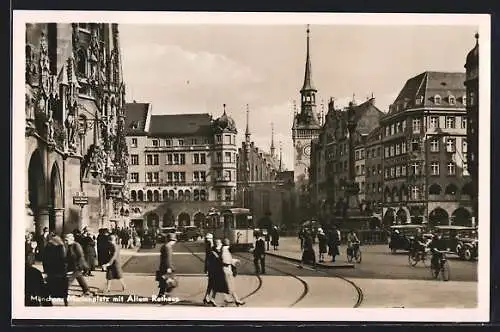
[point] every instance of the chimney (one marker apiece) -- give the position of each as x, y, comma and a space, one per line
135, 102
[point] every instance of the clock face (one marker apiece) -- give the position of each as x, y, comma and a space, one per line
307, 150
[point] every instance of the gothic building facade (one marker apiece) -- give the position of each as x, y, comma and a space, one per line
74, 135
181, 166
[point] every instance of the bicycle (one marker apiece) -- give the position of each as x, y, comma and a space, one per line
443, 267
416, 255
354, 253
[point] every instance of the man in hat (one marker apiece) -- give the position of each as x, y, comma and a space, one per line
259, 254
76, 263
166, 268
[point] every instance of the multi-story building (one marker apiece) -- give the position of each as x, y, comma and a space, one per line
74, 126
472, 106
305, 128
425, 152
260, 186
373, 168
330, 160
181, 165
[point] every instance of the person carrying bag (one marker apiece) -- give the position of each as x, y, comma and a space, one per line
165, 274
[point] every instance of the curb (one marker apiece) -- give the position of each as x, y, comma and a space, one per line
325, 266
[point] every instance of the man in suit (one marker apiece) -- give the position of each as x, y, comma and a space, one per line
76, 263
259, 254
166, 268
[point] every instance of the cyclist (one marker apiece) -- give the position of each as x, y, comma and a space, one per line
419, 243
437, 245
352, 241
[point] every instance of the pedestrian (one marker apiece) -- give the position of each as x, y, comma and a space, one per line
308, 255
113, 267
259, 255
35, 289
335, 242
216, 279
164, 275
125, 238
30, 248
76, 263
102, 247
89, 252
43, 239
301, 238
322, 245
229, 268
267, 236
275, 237
55, 267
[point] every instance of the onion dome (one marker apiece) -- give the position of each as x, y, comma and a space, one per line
473, 56
225, 123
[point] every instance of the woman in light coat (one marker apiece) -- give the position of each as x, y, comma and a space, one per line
227, 262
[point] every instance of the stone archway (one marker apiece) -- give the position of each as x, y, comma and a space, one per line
438, 216
184, 219
199, 220
461, 217
56, 201
168, 218
153, 221
37, 213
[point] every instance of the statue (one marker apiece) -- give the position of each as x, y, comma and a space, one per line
70, 124
50, 127
30, 108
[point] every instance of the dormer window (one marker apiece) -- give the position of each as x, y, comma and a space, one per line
420, 100
451, 100
437, 99
464, 100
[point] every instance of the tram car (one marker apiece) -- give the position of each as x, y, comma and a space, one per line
237, 225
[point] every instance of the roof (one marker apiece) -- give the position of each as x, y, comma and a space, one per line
135, 118
198, 124
362, 115
427, 85
473, 56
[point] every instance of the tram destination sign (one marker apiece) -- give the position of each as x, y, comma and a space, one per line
80, 198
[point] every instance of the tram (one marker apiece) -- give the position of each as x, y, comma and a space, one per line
237, 225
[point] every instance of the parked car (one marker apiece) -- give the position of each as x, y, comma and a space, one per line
401, 236
461, 241
189, 233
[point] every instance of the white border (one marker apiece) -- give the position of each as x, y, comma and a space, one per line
20, 18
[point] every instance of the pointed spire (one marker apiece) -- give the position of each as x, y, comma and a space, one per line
224, 107
477, 38
281, 158
247, 131
272, 140
308, 84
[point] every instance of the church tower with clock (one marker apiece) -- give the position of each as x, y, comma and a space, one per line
306, 126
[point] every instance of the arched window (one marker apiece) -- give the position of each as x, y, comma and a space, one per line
165, 195
196, 195
180, 195
81, 63
171, 195
187, 195
156, 196
203, 195
451, 189
451, 100
133, 195
435, 189
149, 196
140, 196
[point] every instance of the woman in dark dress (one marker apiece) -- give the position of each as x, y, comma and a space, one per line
216, 278
103, 247
55, 267
89, 252
275, 237
113, 267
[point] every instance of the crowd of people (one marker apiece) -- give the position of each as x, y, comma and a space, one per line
65, 259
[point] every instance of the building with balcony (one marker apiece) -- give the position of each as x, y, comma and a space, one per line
74, 138
181, 165
425, 148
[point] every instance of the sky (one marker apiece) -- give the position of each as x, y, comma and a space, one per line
198, 68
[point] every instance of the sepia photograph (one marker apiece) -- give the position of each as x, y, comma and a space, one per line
228, 166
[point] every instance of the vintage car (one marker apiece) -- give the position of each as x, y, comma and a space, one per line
189, 233
402, 236
460, 240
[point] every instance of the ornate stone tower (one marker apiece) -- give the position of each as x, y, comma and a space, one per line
305, 127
